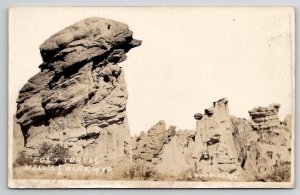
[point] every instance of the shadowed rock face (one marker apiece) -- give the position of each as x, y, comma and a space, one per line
78, 99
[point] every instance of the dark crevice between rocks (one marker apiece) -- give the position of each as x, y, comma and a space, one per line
213, 141
89, 136
99, 61
208, 112
91, 95
114, 86
66, 73
24, 130
106, 78
108, 26
193, 138
101, 125
243, 163
47, 56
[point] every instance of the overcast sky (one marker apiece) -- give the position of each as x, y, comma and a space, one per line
188, 59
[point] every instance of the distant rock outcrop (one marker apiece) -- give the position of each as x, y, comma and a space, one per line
149, 145
78, 100
269, 147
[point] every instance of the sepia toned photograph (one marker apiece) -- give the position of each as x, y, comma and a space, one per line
151, 97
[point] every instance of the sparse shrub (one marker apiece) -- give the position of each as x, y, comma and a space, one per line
55, 153
280, 173
188, 175
22, 160
142, 170
59, 152
44, 149
129, 173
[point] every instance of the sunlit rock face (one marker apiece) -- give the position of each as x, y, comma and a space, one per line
78, 99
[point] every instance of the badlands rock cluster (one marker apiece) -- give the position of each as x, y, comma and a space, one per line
252, 149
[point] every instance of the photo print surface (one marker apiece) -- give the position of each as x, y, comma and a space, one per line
151, 97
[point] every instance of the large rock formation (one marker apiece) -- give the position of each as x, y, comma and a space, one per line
78, 99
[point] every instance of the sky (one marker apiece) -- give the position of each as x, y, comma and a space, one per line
189, 58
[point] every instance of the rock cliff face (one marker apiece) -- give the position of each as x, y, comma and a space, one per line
78, 99
250, 150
